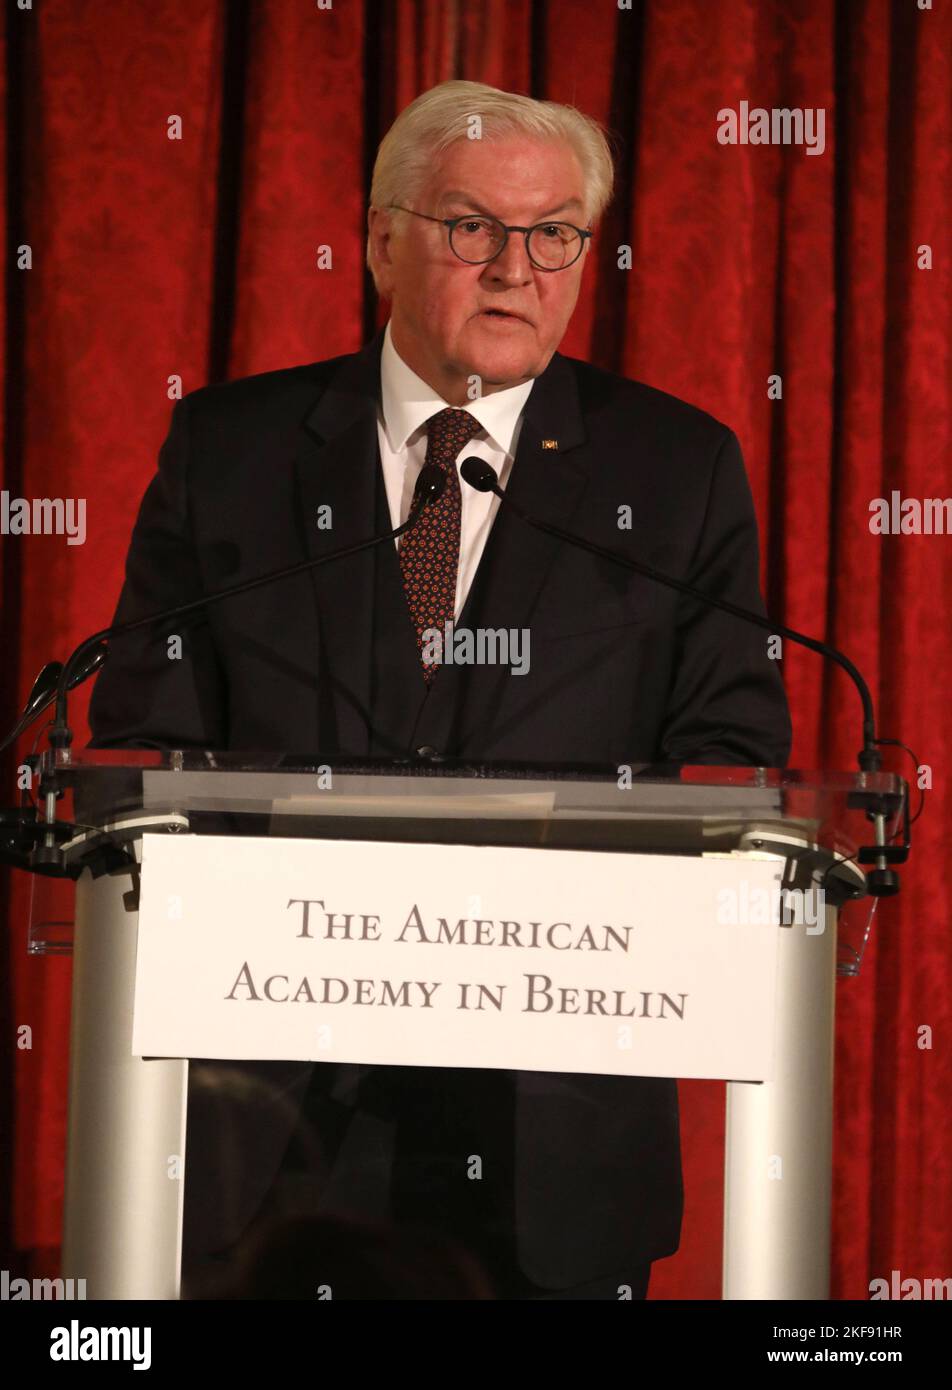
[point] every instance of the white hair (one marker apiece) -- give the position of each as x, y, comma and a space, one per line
444, 114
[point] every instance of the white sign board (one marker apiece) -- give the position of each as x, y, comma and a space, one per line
457, 956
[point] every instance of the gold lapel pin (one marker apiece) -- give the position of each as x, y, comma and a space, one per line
550, 443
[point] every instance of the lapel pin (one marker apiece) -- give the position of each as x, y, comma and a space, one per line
550, 443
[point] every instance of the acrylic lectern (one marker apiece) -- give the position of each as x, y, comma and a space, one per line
123, 1216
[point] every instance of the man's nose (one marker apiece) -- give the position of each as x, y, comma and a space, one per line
512, 266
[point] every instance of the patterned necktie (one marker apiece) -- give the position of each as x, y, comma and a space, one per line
429, 554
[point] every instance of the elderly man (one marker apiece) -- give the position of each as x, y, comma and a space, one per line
484, 207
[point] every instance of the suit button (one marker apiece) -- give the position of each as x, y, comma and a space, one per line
429, 753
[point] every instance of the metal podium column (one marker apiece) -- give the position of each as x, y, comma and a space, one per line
779, 1140
122, 1219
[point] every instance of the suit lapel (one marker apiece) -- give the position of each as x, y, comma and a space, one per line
336, 467
548, 475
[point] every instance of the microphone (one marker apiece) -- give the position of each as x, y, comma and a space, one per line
19, 829
44, 689
882, 881
429, 488
481, 476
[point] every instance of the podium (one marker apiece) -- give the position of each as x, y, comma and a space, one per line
123, 1210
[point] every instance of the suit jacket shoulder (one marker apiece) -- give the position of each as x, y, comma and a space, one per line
265, 387
652, 408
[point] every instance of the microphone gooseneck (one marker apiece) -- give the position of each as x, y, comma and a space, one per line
481, 476
429, 488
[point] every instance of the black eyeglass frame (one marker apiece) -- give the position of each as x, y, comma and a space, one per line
452, 222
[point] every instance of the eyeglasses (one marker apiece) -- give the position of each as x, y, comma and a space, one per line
477, 238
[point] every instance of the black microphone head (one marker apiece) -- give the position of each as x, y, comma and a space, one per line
44, 688
479, 474
92, 660
429, 485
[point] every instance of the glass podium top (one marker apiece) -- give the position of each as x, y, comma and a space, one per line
660, 806
106, 799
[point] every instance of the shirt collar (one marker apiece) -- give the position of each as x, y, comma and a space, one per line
408, 402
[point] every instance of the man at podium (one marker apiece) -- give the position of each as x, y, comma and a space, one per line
484, 211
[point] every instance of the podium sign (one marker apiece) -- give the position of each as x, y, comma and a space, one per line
457, 956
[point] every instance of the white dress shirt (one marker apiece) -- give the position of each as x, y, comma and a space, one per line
406, 405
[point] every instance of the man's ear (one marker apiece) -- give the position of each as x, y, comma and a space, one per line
379, 232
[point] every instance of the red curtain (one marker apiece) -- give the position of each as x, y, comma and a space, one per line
196, 258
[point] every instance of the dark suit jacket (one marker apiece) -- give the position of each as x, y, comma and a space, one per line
621, 671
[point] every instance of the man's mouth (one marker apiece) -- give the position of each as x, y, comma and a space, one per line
501, 314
